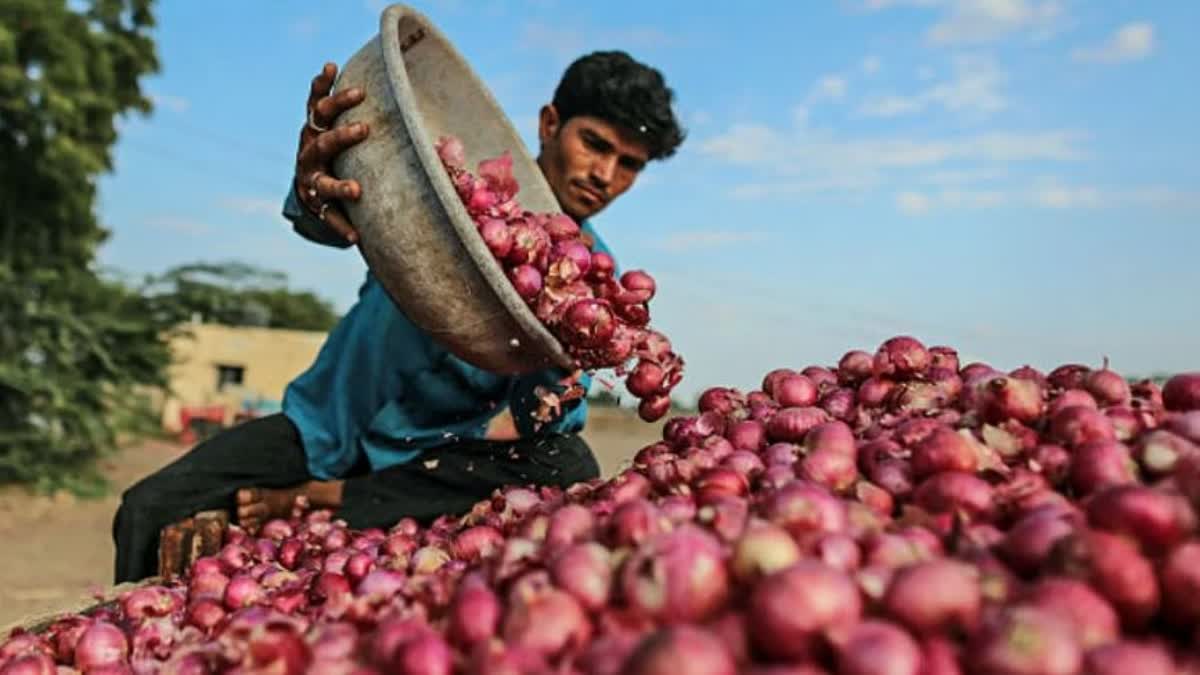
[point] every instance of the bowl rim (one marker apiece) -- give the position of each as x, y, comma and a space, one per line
460, 220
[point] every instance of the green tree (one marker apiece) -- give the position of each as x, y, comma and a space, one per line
238, 294
76, 345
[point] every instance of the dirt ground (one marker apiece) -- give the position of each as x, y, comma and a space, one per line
58, 550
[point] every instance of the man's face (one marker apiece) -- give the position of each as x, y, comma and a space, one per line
587, 162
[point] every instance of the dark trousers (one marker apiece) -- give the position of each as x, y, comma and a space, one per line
267, 453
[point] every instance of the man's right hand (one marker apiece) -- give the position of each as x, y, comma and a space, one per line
316, 186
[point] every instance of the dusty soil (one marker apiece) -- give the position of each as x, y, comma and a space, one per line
58, 550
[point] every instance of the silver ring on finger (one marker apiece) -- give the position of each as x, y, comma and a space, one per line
312, 123
312, 184
324, 208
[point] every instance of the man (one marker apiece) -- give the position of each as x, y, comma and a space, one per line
386, 423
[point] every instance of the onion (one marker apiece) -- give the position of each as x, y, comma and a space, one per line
677, 576
943, 450
1026, 641
951, 491
791, 424
794, 610
584, 570
680, 650
873, 392
1180, 576
1076, 425
901, 357
1004, 398
794, 390
802, 507
1127, 656
935, 596
1182, 392
1090, 616
854, 367
101, 644
548, 622
646, 379
1156, 520
879, 648
747, 435
527, 281
1096, 465
1113, 566
1157, 451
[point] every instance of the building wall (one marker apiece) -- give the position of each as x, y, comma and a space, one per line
269, 358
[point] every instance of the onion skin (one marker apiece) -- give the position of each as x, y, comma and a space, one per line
1181, 393
1026, 641
792, 609
879, 648
935, 596
680, 650
1112, 565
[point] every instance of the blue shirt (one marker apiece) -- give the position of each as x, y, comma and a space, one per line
382, 390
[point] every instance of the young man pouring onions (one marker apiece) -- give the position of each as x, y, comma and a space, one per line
386, 423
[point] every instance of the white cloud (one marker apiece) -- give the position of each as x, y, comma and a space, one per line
912, 202
981, 21
976, 88
870, 65
891, 106
253, 206
1047, 193
177, 104
807, 161
700, 239
828, 88
1131, 42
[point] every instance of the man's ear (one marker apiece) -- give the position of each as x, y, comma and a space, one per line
548, 123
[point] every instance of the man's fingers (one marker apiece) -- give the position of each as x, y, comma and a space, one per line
320, 152
330, 188
329, 107
340, 224
322, 83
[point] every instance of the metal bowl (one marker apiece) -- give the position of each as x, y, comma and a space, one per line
414, 232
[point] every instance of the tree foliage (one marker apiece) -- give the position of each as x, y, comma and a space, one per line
238, 294
75, 344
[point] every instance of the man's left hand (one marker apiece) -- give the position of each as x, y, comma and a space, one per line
502, 427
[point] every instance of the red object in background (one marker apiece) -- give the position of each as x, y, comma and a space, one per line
200, 418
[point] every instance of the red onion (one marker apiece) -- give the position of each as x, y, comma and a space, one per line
1076, 425
634, 522
677, 576
1028, 543
1004, 398
854, 367
951, 491
1089, 615
942, 356
101, 644
1181, 393
791, 424
832, 469
935, 596
1026, 641
1156, 520
873, 392
747, 435
680, 650
548, 622
1180, 576
879, 648
527, 281
794, 610
794, 390
802, 507
1113, 566
1096, 465
1127, 656
585, 571
901, 356
1158, 450
943, 450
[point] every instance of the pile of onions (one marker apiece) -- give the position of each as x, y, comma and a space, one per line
601, 319
897, 513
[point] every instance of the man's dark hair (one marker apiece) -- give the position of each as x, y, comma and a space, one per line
614, 87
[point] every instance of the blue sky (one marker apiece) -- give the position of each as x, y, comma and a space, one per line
1016, 178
